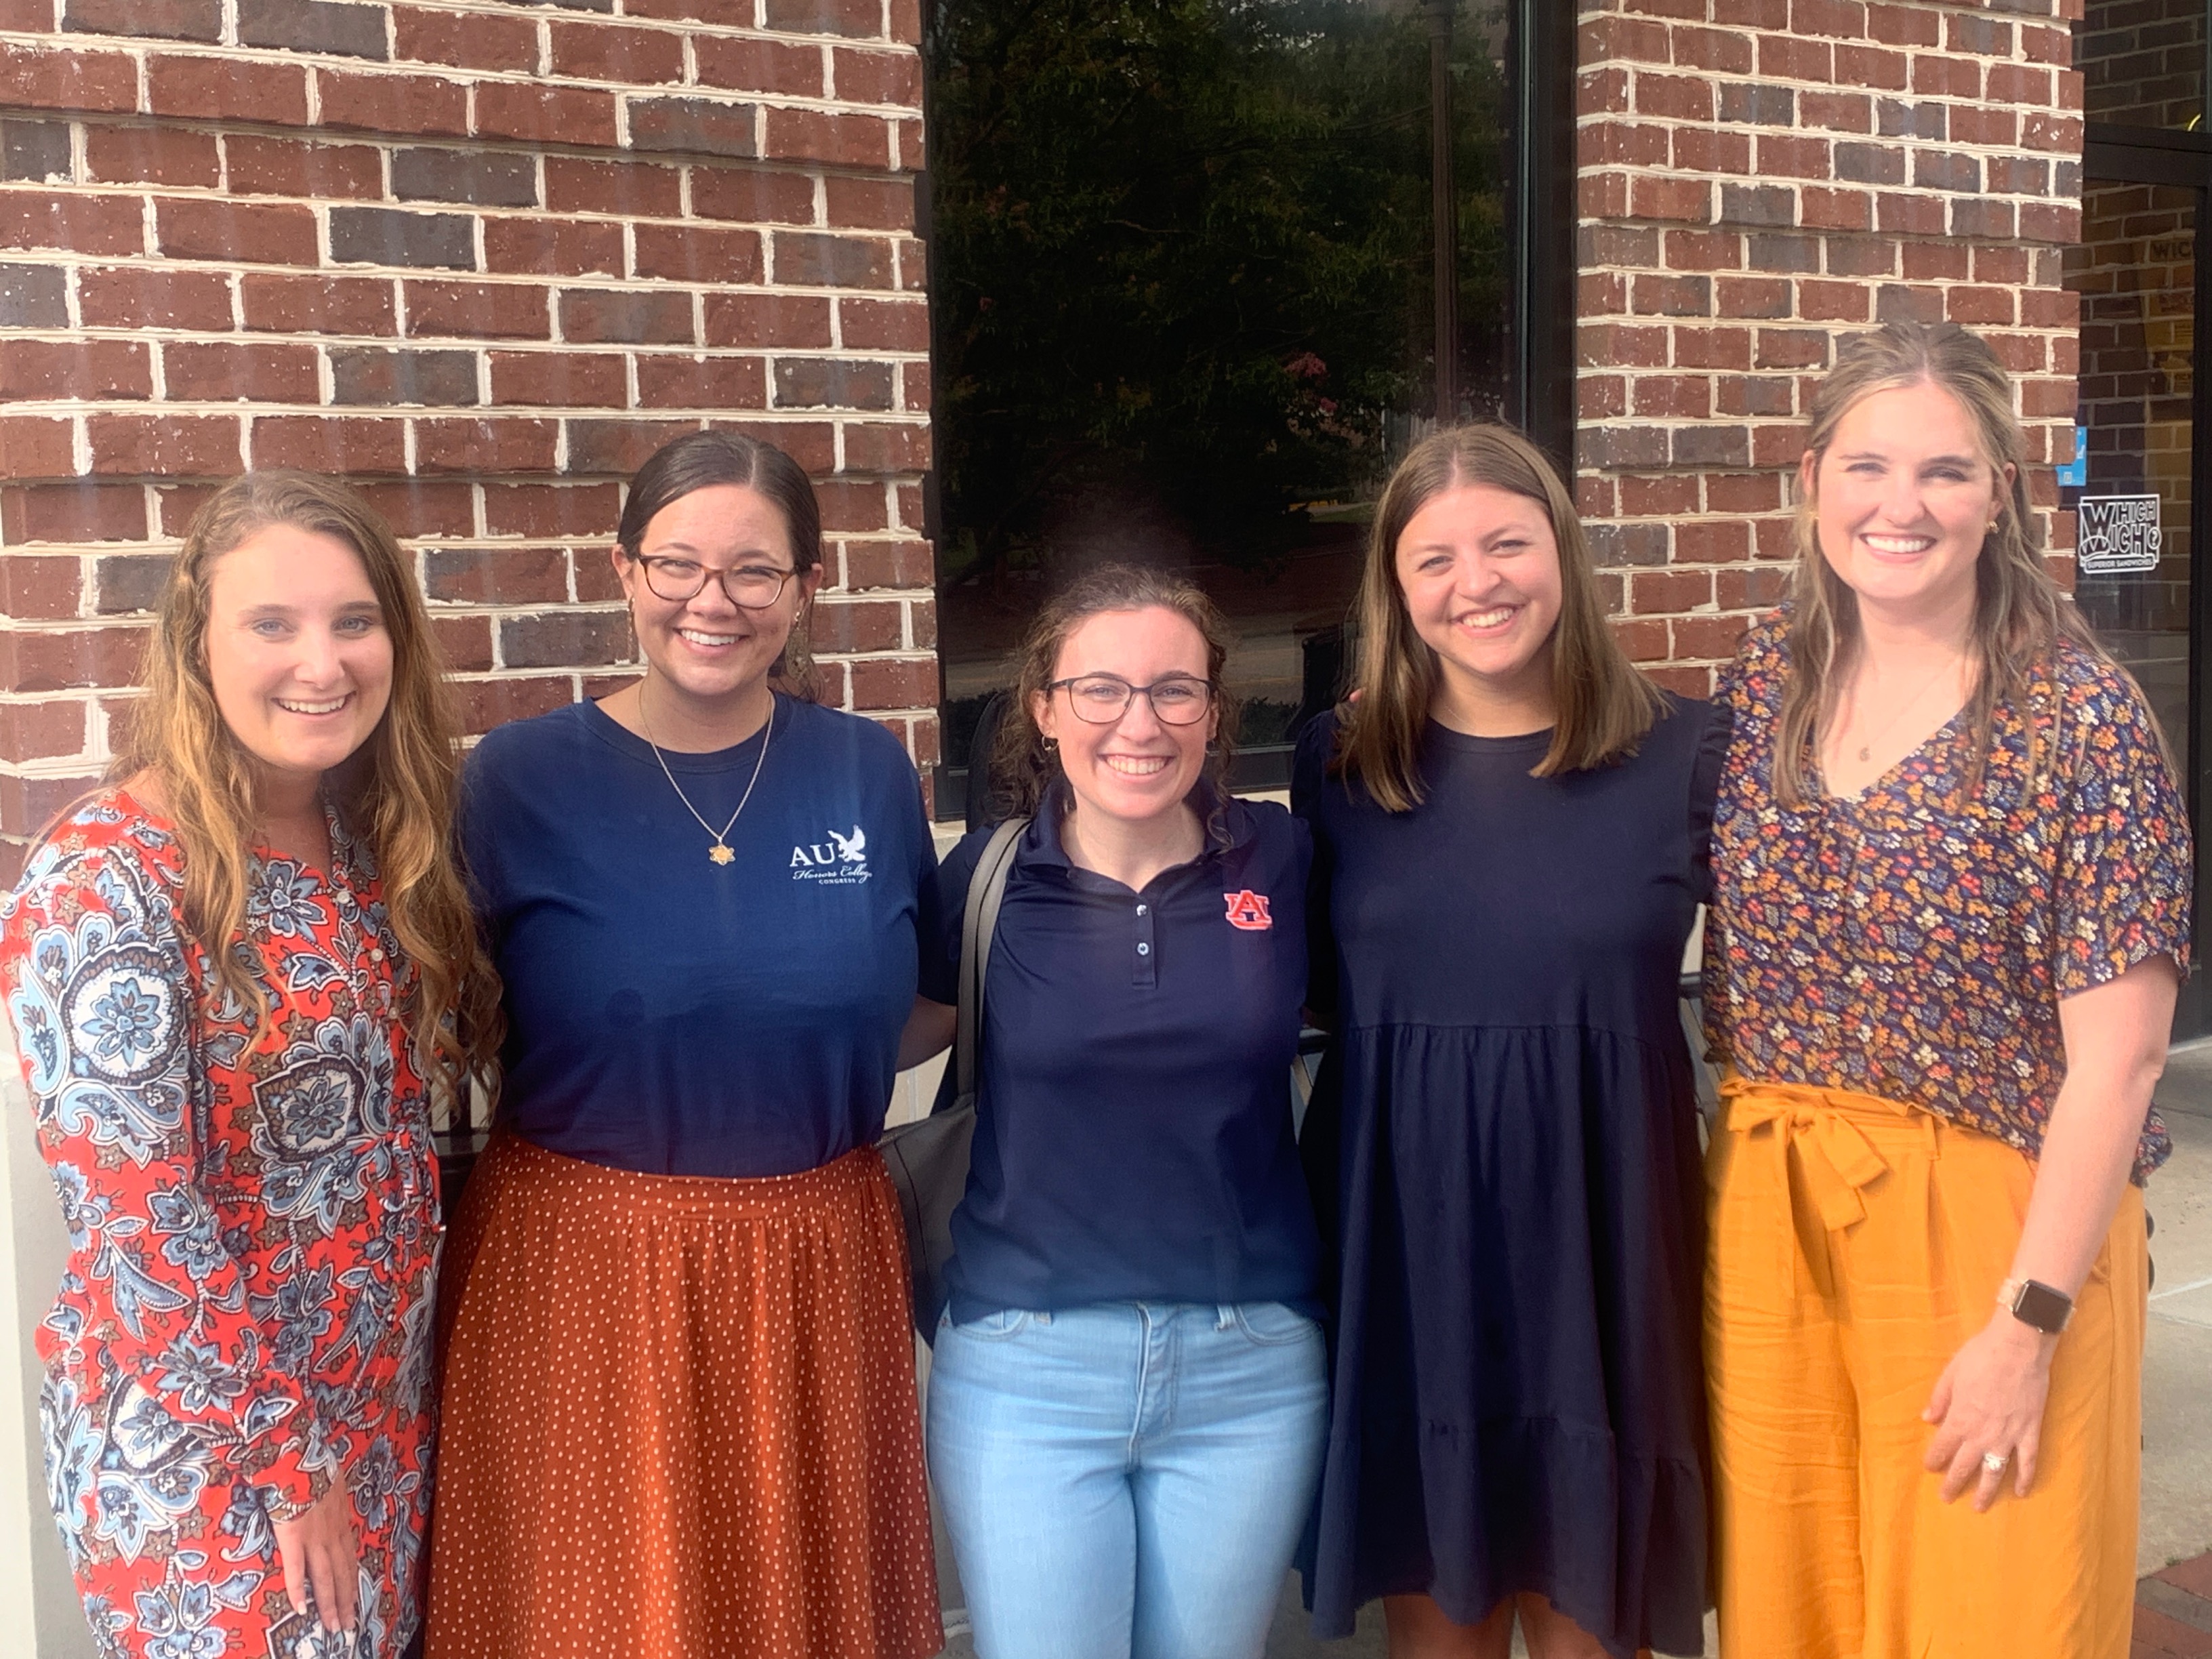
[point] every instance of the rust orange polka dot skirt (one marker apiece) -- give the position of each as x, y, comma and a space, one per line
678, 1419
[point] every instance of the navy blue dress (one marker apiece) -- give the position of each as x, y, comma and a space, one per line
1502, 1147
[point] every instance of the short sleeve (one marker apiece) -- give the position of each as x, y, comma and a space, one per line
2121, 892
1309, 777
944, 906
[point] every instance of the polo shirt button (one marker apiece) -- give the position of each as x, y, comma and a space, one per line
1144, 950
1140, 909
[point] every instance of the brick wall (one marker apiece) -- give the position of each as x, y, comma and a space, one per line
480, 257
1759, 179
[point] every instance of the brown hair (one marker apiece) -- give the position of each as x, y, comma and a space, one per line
2020, 612
1022, 769
698, 460
1605, 705
396, 793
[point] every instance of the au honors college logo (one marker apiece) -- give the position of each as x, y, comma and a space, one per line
839, 862
1248, 910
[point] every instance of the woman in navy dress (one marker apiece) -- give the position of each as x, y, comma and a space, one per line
1510, 827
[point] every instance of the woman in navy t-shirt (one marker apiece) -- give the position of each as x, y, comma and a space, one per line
679, 1396
1510, 827
1127, 1398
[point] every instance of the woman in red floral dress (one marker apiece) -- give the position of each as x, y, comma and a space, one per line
238, 978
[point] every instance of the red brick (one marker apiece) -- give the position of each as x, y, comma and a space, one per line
660, 316
2061, 133
1675, 97
480, 445
39, 588
152, 155
1974, 124
1688, 396
176, 505
1721, 50
2166, 1636
541, 114
1688, 201
40, 731
1927, 261
485, 704
877, 77
1628, 38
1711, 541
1980, 308
596, 580
1664, 496
1754, 589
290, 166
158, 19
1820, 302
176, 446
1602, 195
691, 381
872, 449
1603, 92
618, 447
40, 77
500, 575
870, 204
1601, 293
846, 17
1706, 150
80, 512
1661, 592
1835, 112
812, 444
1776, 445
389, 103
1791, 347
330, 443
415, 508
1742, 492
229, 89
1714, 637
1625, 144
734, 13
1784, 58
754, 320
225, 371
757, 65
236, 233
53, 662
34, 216
1751, 296
1821, 208
49, 371
526, 245
464, 646
848, 506
808, 134
1600, 397
879, 682
470, 40
883, 325
611, 51
317, 305
848, 625
634, 189
564, 639
688, 253
1872, 66
560, 379
753, 194
1787, 155
495, 311
552, 510
1844, 19
1952, 77
139, 296
1903, 25
1712, 348
2057, 222
1899, 213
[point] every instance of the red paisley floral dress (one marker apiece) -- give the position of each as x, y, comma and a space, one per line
246, 1316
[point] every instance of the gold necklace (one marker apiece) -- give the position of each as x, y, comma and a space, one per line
719, 852
1866, 748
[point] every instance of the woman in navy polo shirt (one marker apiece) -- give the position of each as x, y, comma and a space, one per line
1127, 1399
1510, 828
679, 1397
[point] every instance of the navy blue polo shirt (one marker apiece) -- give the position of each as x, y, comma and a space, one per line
674, 1016
1133, 1128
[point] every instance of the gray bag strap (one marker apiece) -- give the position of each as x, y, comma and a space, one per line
979, 925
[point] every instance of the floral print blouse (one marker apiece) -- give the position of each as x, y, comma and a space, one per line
1914, 943
245, 1317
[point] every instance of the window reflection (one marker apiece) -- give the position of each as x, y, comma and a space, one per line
1185, 281
2142, 62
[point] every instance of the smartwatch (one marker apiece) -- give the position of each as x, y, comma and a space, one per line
2035, 1303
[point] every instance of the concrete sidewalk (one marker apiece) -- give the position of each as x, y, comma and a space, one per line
2174, 1548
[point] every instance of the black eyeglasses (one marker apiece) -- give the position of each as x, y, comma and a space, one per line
1102, 699
751, 586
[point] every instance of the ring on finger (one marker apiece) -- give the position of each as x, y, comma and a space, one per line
1994, 1462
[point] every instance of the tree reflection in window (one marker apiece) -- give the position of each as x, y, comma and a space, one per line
1183, 293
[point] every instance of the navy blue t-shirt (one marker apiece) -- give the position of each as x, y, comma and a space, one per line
673, 1016
1133, 1117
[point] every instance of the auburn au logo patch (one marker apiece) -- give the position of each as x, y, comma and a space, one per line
1248, 910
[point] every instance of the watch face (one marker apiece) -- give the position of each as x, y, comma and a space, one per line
2042, 1307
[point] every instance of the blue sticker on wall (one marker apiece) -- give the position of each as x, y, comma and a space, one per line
2075, 473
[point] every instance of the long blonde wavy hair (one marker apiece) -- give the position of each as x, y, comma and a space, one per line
1605, 705
2020, 613
397, 793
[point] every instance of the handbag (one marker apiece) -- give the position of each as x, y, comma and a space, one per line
929, 1160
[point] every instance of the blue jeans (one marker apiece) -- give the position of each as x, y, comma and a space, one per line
1127, 1481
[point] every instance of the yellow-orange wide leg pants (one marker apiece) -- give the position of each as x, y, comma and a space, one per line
1855, 1245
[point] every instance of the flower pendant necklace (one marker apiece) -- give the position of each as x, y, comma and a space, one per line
719, 852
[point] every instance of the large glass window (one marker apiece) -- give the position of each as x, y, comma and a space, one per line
1201, 269
2142, 62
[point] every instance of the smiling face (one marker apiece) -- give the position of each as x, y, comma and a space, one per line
708, 648
1139, 766
1902, 498
1478, 567
298, 653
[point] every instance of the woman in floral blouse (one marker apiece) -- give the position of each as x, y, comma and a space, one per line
239, 976
1952, 878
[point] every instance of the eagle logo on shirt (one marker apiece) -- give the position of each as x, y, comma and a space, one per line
1248, 910
837, 861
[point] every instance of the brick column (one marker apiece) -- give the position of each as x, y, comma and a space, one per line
481, 257
1759, 179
